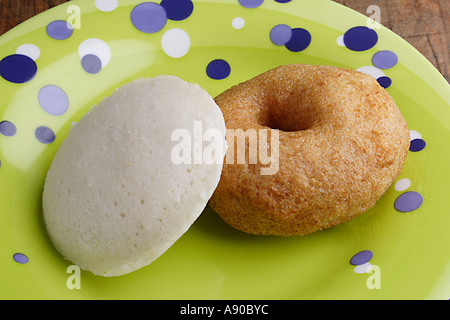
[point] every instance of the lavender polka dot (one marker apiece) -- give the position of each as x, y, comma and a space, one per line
280, 34
20, 258
148, 17
408, 201
417, 145
18, 68
360, 38
59, 29
299, 41
361, 257
7, 128
44, 134
53, 100
384, 59
218, 69
178, 10
91, 63
251, 3
384, 81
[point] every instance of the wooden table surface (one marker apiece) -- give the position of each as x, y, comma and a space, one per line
425, 24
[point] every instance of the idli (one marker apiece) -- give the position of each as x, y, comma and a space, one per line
134, 174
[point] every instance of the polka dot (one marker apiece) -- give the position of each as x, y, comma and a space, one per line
402, 184
91, 64
372, 71
106, 5
97, 47
340, 41
59, 29
384, 81
408, 201
360, 38
283, 1
238, 23
384, 59
218, 69
280, 34
53, 100
413, 134
361, 257
7, 128
176, 43
148, 17
299, 41
178, 9
30, 50
44, 134
20, 258
251, 3
417, 145
18, 68
363, 268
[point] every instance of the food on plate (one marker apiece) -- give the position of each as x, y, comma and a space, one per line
341, 143
116, 196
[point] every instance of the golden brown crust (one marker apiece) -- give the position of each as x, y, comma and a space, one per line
342, 142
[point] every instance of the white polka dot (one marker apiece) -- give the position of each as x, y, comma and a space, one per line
372, 71
340, 41
29, 50
402, 184
363, 268
96, 47
176, 43
106, 5
413, 134
238, 23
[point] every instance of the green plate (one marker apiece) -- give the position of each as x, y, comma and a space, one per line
218, 44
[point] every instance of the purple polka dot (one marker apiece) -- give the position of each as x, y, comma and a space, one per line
44, 134
7, 128
408, 201
384, 59
299, 41
91, 63
18, 68
148, 17
218, 69
53, 100
178, 9
283, 1
280, 34
384, 81
20, 258
361, 257
251, 3
417, 145
59, 29
360, 38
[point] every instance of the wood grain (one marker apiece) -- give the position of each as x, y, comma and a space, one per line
425, 24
